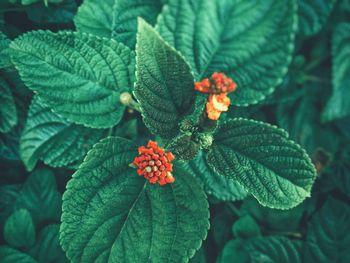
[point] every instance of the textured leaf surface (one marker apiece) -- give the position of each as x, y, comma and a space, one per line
274, 249
110, 214
8, 111
51, 138
313, 14
116, 18
214, 184
79, 76
40, 197
10, 255
328, 237
338, 105
275, 170
4, 57
164, 86
47, 249
19, 230
251, 41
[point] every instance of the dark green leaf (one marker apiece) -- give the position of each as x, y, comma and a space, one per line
110, 214
98, 70
116, 18
19, 230
275, 170
251, 41
234, 251
246, 227
10, 255
338, 105
4, 56
8, 111
51, 138
164, 85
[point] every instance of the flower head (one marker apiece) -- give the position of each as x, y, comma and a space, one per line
218, 86
155, 164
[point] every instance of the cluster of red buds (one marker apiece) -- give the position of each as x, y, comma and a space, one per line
155, 164
219, 85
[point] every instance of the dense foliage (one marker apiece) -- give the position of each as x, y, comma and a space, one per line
175, 131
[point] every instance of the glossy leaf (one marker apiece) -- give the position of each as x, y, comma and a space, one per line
19, 230
51, 138
251, 41
164, 86
110, 214
274, 169
338, 105
116, 18
98, 70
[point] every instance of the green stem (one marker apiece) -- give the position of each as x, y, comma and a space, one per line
313, 64
234, 209
314, 79
286, 233
127, 100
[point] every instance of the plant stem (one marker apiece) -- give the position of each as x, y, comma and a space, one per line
127, 100
234, 209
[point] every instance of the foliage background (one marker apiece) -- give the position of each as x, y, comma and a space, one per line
312, 104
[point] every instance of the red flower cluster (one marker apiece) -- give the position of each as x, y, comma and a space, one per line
154, 164
218, 86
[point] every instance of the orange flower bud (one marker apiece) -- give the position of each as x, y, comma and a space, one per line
154, 164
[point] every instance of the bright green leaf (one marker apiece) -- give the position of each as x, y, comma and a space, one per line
8, 111
51, 138
251, 41
328, 238
313, 14
164, 85
338, 105
116, 18
40, 197
79, 76
10, 255
214, 184
47, 249
274, 169
19, 230
110, 214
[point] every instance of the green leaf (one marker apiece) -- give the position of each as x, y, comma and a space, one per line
164, 86
8, 111
274, 169
274, 249
116, 18
214, 184
47, 249
328, 238
98, 70
234, 251
313, 15
251, 41
10, 255
338, 105
40, 197
51, 138
246, 227
4, 56
110, 214
19, 230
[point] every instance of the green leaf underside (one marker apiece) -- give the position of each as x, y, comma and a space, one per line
51, 138
251, 41
313, 14
47, 249
110, 214
214, 184
116, 18
8, 111
19, 230
10, 255
79, 76
338, 105
164, 86
328, 237
274, 249
274, 169
40, 197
